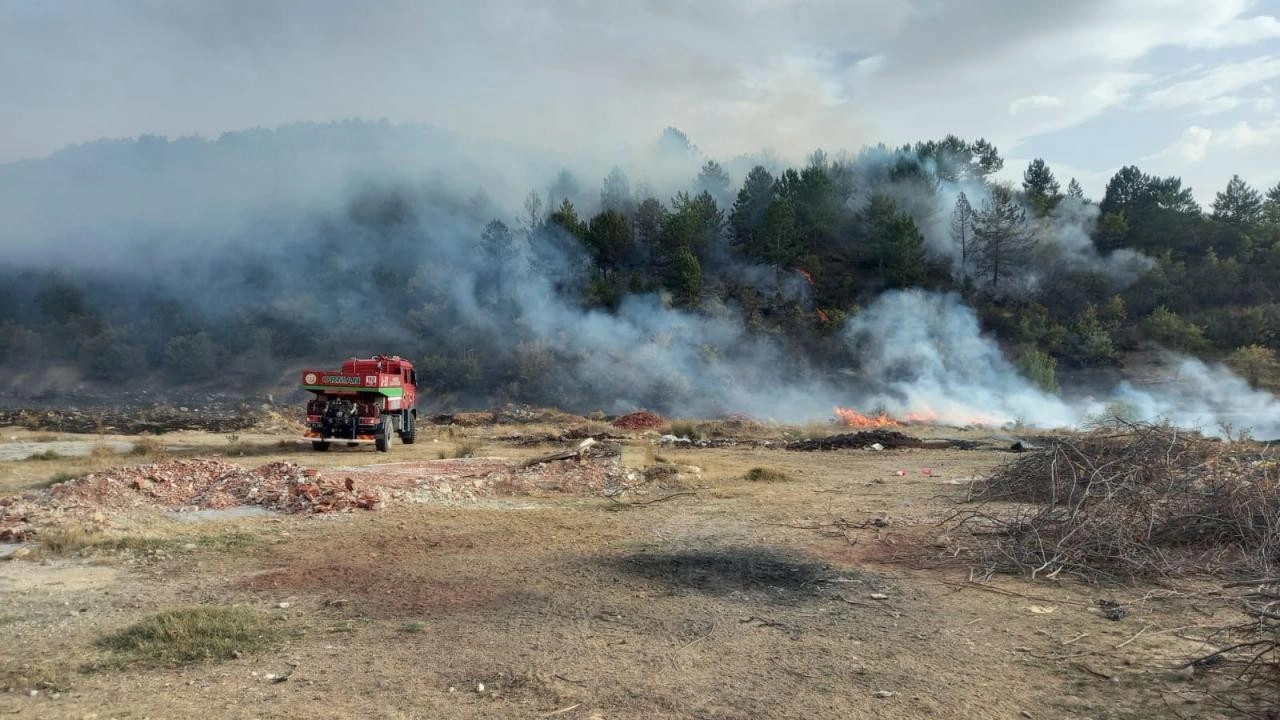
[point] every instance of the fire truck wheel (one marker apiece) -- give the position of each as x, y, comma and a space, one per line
319, 445
410, 432
382, 441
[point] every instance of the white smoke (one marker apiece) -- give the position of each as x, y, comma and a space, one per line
1066, 231
927, 354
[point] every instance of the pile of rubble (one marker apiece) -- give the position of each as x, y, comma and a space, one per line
185, 485
212, 484
639, 421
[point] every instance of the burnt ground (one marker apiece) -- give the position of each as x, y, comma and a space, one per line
817, 597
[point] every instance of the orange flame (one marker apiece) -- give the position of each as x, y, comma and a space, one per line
853, 418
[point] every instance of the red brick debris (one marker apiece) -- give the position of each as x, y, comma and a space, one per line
639, 421
209, 484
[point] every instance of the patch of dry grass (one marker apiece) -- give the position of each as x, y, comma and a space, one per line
184, 636
149, 446
461, 449
46, 675
72, 540
760, 474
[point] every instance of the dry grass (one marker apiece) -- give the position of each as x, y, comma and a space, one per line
461, 449
58, 477
760, 474
72, 540
190, 635
150, 447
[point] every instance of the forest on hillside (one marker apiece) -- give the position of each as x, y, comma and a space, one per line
744, 272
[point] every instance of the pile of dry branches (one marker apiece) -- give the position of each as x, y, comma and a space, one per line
1132, 501
1249, 660
1127, 501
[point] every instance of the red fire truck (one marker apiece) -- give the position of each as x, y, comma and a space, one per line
368, 401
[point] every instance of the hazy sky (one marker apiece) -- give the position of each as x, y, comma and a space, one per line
1177, 86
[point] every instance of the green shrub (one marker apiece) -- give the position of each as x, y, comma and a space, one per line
1255, 363
1165, 327
1040, 368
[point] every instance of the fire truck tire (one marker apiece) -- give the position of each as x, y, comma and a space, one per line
410, 431
319, 445
382, 441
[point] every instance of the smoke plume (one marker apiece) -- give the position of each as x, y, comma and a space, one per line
928, 355
236, 261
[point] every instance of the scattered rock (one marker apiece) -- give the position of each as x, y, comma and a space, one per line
885, 693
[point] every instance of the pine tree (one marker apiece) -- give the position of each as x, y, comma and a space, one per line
749, 209
684, 277
1075, 191
1040, 187
649, 219
615, 193
1004, 242
989, 160
714, 180
566, 217
898, 244
609, 236
1238, 204
1271, 208
777, 241
496, 241
962, 233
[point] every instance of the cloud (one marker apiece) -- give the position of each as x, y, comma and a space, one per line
1242, 134
1205, 158
790, 75
1195, 143
1034, 102
1192, 146
1213, 89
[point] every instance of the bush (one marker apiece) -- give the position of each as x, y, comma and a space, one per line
1255, 363
1039, 368
1167, 328
686, 429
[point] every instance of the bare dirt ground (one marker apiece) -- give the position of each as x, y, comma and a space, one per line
818, 596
